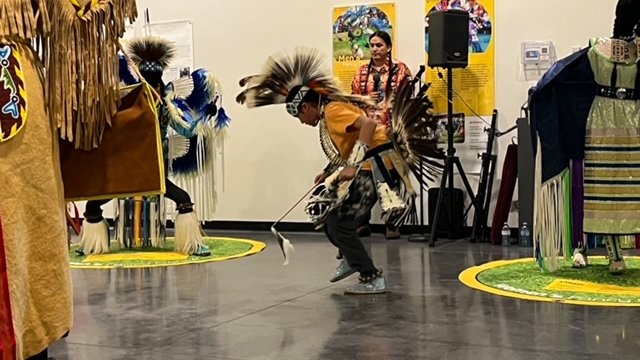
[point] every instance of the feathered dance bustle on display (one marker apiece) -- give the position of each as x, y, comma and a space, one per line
413, 131
151, 48
286, 70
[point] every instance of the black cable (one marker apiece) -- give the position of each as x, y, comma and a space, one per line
462, 99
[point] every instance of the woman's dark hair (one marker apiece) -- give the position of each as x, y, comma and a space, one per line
382, 35
386, 38
627, 19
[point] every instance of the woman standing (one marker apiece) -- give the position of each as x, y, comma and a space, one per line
380, 78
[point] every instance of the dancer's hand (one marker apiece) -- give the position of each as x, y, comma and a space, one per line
348, 173
320, 177
376, 96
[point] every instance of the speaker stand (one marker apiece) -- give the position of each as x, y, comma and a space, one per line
448, 173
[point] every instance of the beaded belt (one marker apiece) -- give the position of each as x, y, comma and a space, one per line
618, 93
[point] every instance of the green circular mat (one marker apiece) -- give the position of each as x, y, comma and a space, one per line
594, 285
221, 249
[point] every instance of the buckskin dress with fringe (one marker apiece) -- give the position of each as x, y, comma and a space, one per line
35, 283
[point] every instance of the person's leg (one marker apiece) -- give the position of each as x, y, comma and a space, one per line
178, 196
93, 210
341, 227
342, 233
343, 270
393, 231
364, 227
188, 232
614, 250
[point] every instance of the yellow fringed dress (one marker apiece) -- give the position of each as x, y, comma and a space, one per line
36, 306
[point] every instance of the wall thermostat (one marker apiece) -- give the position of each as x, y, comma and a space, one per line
537, 58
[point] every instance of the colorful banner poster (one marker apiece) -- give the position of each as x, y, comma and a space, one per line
458, 128
180, 33
476, 83
352, 26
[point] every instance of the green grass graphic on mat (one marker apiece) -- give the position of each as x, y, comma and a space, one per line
220, 248
527, 278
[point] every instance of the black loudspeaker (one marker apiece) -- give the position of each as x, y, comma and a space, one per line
449, 39
455, 229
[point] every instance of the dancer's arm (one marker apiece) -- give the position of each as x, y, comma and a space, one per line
366, 128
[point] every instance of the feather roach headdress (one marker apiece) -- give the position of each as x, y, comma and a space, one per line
288, 77
413, 130
152, 55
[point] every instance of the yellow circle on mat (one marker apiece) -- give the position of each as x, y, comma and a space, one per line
469, 277
256, 247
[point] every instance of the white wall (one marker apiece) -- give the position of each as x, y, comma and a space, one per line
270, 158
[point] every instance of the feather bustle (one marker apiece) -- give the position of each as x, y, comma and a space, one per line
413, 132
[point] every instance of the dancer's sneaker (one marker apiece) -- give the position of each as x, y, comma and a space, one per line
342, 271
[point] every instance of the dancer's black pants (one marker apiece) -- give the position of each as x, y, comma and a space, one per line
341, 224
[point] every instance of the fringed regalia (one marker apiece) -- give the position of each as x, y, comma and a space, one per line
585, 114
192, 124
51, 84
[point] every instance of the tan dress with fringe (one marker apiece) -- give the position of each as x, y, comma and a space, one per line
36, 306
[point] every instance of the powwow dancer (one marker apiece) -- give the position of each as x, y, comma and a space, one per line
361, 153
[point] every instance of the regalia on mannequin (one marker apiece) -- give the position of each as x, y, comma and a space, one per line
192, 123
579, 113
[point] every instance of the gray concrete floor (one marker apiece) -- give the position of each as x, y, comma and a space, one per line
254, 308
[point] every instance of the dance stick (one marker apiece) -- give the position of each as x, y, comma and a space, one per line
285, 245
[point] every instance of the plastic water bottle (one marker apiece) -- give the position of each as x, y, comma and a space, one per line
525, 235
506, 235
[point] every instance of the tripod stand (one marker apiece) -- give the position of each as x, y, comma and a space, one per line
447, 176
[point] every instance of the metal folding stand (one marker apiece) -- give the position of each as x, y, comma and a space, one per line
487, 173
